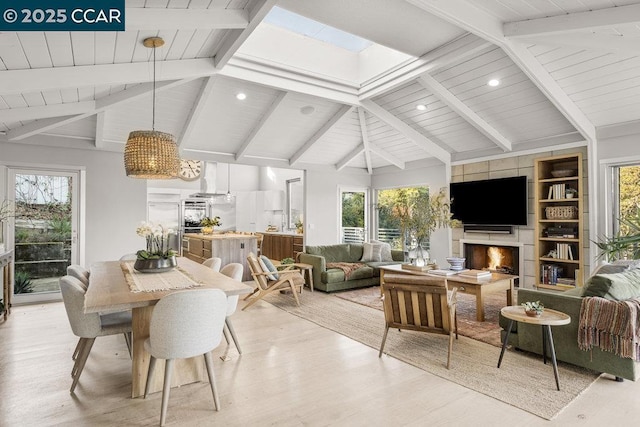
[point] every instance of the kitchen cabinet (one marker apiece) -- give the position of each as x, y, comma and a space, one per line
229, 247
280, 245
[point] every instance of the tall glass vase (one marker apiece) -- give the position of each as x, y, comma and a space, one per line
414, 249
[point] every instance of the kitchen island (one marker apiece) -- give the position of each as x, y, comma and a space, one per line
229, 247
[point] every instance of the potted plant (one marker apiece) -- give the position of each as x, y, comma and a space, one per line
533, 308
625, 244
570, 193
419, 214
157, 257
299, 226
207, 224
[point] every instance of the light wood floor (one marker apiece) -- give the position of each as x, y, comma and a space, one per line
292, 373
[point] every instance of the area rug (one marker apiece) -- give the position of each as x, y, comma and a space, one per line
487, 331
522, 381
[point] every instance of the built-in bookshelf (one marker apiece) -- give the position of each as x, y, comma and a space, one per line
559, 221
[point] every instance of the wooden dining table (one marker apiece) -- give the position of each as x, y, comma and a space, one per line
109, 291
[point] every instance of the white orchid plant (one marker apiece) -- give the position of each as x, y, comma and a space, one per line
157, 237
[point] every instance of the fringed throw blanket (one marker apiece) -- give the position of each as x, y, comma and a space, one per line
613, 326
347, 267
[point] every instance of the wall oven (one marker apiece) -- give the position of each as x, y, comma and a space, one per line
192, 213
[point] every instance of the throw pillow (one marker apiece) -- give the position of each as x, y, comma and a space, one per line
607, 268
385, 253
616, 287
371, 252
267, 265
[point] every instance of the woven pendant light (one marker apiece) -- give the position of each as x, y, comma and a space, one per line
150, 154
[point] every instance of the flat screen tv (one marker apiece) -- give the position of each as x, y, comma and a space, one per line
501, 201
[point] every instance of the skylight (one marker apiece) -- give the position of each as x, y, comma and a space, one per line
316, 30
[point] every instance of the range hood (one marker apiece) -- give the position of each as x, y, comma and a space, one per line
208, 183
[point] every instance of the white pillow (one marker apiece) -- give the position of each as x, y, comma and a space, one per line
265, 269
371, 252
385, 254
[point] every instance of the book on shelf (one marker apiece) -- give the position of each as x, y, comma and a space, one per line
566, 281
476, 274
549, 273
439, 272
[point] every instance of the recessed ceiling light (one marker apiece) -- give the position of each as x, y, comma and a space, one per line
307, 109
241, 96
421, 107
493, 82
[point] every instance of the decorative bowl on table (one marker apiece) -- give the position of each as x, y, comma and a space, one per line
533, 308
457, 264
158, 265
563, 173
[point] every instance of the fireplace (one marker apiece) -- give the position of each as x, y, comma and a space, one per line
499, 257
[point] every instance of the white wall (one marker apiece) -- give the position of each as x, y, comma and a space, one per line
612, 151
430, 174
115, 204
322, 203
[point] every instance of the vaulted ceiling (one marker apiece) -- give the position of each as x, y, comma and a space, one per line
569, 71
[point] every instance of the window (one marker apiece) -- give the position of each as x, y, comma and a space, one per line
295, 202
626, 200
389, 212
353, 216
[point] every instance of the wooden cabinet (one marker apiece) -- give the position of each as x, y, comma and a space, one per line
559, 216
280, 246
229, 248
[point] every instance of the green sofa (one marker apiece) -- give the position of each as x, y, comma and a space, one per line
333, 279
529, 337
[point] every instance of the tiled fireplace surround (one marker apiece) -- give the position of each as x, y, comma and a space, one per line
522, 236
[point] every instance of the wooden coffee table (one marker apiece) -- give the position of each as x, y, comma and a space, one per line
465, 285
547, 319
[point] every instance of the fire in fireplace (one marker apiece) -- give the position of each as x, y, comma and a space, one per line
500, 259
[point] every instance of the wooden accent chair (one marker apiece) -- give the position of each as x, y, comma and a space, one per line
288, 279
419, 303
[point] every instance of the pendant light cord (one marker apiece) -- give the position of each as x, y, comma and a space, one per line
153, 109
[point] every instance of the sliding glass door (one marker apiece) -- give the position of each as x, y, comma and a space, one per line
45, 230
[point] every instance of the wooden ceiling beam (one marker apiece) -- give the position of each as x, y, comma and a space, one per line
570, 22
196, 110
365, 139
45, 111
102, 104
464, 111
99, 138
407, 131
343, 111
140, 18
234, 38
349, 157
376, 149
242, 152
467, 15
463, 47
58, 78
588, 41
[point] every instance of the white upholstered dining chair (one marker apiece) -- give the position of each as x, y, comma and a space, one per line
185, 324
214, 263
235, 270
80, 273
89, 326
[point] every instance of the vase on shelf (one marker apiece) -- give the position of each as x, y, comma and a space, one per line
156, 265
207, 230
